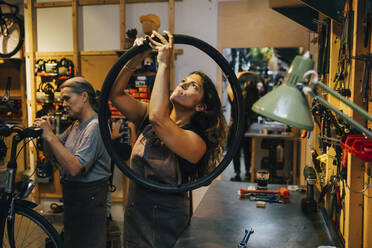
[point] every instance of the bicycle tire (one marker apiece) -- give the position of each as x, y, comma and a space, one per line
16, 41
236, 129
28, 220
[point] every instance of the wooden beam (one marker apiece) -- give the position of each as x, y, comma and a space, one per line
284, 3
51, 4
94, 53
367, 222
75, 38
353, 204
117, 199
122, 23
171, 30
31, 15
51, 54
50, 195
98, 2
82, 53
90, 2
149, 1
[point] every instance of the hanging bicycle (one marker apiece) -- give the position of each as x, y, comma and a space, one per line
11, 30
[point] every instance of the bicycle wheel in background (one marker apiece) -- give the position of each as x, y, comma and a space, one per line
31, 230
11, 35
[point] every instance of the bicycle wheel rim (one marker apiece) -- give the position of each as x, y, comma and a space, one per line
32, 230
12, 44
236, 129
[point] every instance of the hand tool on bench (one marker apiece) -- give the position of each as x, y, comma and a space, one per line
243, 243
283, 192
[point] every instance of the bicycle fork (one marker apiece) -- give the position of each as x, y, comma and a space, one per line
3, 215
10, 224
7, 218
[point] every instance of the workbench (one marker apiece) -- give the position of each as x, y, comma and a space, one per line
221, 218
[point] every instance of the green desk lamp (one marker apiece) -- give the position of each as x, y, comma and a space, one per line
287, 104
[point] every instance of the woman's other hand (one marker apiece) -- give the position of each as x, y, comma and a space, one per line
116, 129
164, 47
47, 123
139, 42
134, 62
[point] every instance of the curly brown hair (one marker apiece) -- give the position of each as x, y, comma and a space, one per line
212, 125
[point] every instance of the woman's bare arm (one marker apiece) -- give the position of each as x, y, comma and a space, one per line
127, 105
184, 143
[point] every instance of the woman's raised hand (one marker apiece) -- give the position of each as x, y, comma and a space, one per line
139, 41
163, 46
141, 56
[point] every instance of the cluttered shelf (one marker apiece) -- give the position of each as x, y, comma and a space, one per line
274, 134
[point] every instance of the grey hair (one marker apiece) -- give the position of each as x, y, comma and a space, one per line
79, 85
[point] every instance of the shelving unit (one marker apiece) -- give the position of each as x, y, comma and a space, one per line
85, 62
15, 68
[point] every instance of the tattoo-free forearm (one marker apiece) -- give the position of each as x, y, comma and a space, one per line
126, 72
48, 152
63, 156
159, 102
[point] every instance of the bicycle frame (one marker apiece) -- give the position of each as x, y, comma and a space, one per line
8, 198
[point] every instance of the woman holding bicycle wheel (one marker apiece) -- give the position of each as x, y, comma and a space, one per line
181, 137
85, 166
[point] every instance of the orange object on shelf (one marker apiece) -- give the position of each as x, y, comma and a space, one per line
143, 95
132, 91
46, 74
143, 89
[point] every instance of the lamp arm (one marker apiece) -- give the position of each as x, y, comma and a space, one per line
352, 105
359, 110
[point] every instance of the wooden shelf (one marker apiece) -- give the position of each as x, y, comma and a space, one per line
50, 195
90, 2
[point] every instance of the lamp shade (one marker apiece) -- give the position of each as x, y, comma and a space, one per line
286, 103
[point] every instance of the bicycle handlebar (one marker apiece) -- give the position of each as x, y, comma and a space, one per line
30, 132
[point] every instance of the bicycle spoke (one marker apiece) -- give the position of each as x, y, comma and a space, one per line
26, 234
10, 37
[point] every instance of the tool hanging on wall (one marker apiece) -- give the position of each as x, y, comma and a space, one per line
344, 56
364, 90
8, 107
328, 124
367, 21
323, 44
